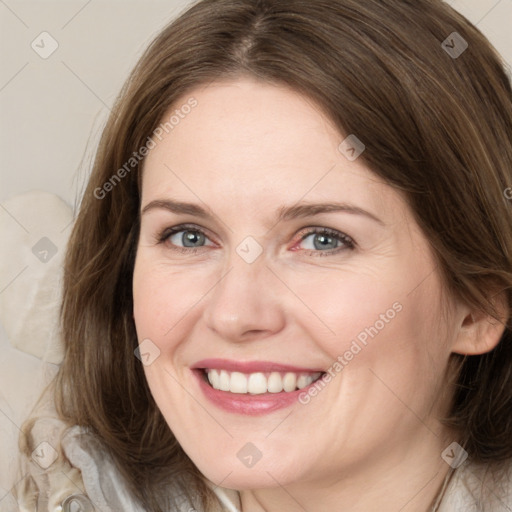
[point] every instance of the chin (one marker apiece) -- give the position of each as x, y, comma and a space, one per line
240, 478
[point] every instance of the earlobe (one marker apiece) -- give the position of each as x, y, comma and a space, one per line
479, 332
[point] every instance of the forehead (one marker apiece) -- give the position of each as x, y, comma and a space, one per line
256, 144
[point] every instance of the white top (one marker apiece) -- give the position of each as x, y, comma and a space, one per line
102, 486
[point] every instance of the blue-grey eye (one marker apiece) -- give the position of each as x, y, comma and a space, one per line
324, 241
189, 238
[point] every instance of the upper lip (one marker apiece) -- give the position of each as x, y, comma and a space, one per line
250, 366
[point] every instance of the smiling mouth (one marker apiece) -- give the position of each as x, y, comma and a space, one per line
258, 383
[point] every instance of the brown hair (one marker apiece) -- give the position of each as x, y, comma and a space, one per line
435, 125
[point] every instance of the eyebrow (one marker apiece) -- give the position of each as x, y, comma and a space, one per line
284, 213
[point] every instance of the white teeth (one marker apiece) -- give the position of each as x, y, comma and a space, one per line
290, 382
213, 377
224, 381
238, 383
304, 380
259, 383
275, 383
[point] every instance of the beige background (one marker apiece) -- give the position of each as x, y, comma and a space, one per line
51, 110
51, 113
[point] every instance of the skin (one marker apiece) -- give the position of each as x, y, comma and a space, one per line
370, 440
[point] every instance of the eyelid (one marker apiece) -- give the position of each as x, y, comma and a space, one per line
163, 235
348, 242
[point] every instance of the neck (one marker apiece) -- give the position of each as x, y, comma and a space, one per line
410, 480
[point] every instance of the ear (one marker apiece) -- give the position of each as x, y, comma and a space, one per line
479, 332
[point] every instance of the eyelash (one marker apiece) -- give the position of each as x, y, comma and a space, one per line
347, 241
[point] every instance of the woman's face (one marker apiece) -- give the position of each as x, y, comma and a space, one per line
262, 285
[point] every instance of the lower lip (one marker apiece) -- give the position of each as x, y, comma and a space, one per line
252, 405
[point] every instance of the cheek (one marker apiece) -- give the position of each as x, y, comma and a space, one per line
371, 313
344, 307
162, 298
384, 323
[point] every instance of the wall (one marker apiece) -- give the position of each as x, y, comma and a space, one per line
51, 110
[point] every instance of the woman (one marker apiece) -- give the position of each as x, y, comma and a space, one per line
289, 283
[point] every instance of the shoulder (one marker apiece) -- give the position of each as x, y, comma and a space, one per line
479, 488
106, 488
67, 467
70, 467
103, 485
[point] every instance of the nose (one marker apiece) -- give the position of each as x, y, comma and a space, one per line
247, 302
